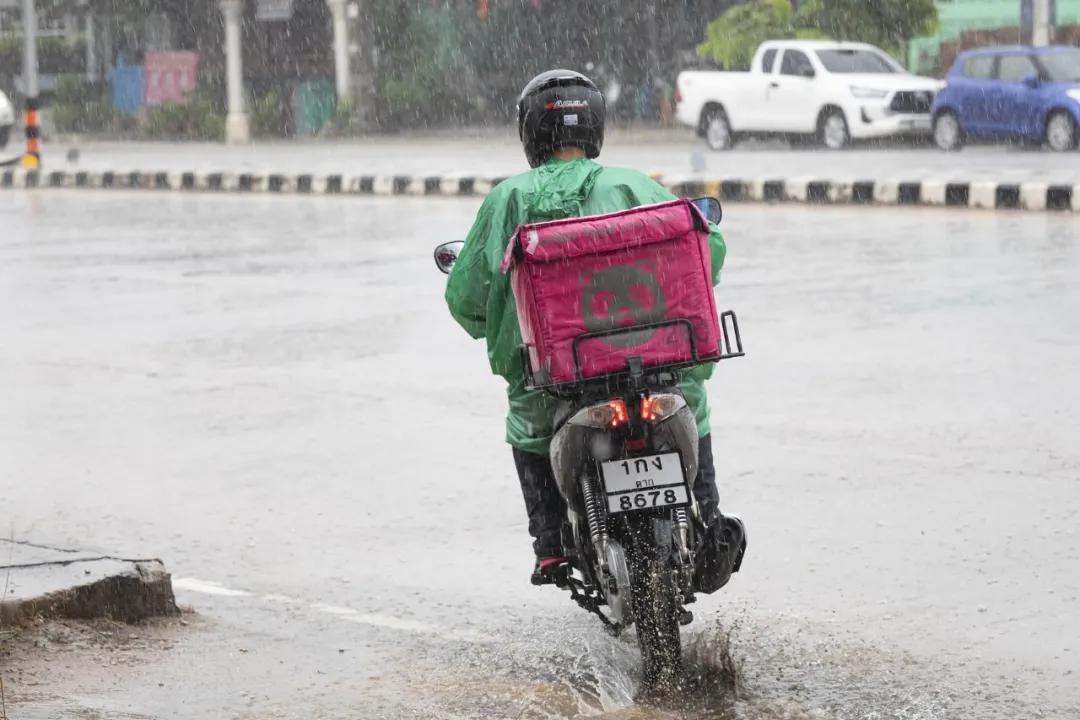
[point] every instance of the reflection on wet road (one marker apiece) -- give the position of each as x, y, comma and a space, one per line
268, 394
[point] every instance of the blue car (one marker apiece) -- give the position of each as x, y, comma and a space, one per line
1010, 93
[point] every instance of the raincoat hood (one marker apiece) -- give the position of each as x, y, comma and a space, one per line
560, 188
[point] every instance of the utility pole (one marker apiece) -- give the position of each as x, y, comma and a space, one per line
1041, 22
237, 126
32, 158
339, 13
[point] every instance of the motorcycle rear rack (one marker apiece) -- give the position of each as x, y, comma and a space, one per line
636, 373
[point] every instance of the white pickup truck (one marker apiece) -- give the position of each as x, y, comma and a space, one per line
7, 118
832, 90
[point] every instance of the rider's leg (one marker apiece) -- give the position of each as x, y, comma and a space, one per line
543, 503
724, 541
705, 491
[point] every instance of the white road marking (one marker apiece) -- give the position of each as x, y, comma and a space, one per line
395, 623
334, 609
206, 587
388, 622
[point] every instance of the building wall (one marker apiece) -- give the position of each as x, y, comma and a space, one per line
959, 16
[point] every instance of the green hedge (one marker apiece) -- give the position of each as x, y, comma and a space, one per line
197, 119
55, 55
80, 107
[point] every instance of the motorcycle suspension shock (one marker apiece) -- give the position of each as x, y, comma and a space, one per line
595, 520
682, 544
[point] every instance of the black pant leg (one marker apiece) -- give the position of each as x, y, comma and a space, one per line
543, 503
705, 491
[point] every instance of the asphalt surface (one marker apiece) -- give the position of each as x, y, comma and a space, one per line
268, 394
496, 152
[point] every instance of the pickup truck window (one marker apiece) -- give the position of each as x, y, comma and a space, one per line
980, 67
1014, 68
854, 61
796, 63
767, 60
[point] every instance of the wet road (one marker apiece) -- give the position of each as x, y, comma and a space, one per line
268, 394
496, 151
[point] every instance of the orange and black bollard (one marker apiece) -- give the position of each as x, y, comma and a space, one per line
32, 158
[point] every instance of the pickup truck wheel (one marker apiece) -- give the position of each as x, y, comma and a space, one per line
833, 130
1061, 131
947, 132
717, 130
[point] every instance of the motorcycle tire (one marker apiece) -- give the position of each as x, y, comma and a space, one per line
655, 601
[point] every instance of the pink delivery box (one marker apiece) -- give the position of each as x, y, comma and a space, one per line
594, 293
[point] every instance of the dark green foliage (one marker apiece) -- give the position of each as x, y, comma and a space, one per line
441, 63
80, 107
266, 113
197, 119
56, 55
889, 24
421, 60
732, 38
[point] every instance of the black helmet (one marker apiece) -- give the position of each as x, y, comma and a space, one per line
557, 108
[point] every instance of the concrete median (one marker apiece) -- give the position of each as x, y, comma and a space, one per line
1034, 196
41, 581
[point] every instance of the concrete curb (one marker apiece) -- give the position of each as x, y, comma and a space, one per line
1037, 196
44, 582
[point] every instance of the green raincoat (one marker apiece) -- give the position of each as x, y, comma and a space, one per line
479, 294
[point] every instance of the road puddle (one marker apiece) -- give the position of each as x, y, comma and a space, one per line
732, 673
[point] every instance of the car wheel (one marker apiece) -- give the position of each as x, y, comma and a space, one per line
833, 130
5, 135
1061, 131
947, 131
718, 135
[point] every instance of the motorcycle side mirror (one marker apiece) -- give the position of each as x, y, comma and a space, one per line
710, 208
447, 254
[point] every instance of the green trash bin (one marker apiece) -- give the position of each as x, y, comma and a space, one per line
313, 104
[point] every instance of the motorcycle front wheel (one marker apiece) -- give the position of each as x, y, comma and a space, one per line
655, 601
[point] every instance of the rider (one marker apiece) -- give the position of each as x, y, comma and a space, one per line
561, 126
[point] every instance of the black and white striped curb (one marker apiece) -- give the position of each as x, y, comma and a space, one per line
975, 194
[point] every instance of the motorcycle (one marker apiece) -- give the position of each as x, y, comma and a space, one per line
625, 455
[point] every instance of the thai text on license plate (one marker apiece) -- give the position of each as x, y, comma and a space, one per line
653, 481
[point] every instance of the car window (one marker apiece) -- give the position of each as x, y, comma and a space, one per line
1061, 65
1014, 68
795, 63
767, 60
980, 67
854, 61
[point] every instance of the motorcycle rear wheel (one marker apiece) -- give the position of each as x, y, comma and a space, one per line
655, 603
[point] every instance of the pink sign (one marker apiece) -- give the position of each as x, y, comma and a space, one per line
170, 76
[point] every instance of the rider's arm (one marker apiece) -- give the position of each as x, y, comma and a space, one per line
470, 280
719, 251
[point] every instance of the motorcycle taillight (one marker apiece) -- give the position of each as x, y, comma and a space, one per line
619, 416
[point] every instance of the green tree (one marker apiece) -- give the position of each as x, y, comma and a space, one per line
420, 64
732, 38
889, 24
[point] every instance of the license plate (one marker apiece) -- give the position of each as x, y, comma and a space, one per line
643, 483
